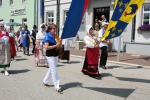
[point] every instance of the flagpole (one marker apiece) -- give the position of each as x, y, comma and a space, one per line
119, 47
58, 16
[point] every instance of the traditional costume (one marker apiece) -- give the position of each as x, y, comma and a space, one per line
64, 51
90, 66
103, 46
19, 38
4, 50
12, 42
40, 56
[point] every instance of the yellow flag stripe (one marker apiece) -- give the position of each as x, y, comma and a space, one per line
112, 24
129, 9
115, 3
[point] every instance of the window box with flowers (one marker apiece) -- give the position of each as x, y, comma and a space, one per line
144, 28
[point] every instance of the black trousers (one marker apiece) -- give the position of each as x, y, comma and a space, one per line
104, 55
33, 46
26, 50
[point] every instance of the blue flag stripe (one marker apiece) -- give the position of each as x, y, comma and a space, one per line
74, 19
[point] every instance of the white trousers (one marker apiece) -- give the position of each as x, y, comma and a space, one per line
52, 72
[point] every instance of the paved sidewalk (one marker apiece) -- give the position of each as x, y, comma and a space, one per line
125, 58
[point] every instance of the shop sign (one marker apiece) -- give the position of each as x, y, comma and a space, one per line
18, 11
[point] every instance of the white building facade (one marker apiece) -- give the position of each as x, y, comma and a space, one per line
132, 40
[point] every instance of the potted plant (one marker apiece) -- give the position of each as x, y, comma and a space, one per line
144, 27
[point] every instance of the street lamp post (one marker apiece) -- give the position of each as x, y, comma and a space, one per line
58, 16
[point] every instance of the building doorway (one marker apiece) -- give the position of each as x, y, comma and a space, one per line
98, 12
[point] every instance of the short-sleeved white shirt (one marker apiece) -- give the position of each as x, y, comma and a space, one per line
101, 33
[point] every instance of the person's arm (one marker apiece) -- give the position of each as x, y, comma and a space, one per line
100, 21
105, 20
32, 34
19, 37
29, 35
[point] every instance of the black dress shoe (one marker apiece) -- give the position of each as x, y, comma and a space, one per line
98, 77
100, 65
104, 67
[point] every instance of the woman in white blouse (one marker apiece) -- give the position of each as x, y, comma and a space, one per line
90, 66
40, 57
12, 39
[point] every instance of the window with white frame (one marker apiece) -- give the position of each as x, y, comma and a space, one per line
11, 20
24, 1
50, 17
24, 21
11, 2
65, 15
146, 14
1, 3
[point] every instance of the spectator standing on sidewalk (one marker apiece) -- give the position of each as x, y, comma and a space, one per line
96, 23
103, 19
4, 49
90, 66
103, 46
51, 47
96, 31
33, 36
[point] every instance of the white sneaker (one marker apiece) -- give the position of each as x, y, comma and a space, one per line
6, 73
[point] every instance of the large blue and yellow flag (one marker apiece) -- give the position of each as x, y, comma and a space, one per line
124, 12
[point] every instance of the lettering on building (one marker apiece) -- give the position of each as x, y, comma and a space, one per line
18, 11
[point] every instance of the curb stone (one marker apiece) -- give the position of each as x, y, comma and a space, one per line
116, 62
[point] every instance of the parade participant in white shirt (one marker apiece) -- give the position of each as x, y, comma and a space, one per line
103, 46
12, 42
40, 57
64, 51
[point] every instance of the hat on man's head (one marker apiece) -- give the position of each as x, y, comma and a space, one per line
34, 26
104, 23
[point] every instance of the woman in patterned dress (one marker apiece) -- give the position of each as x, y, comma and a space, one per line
40, 57
4, 49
